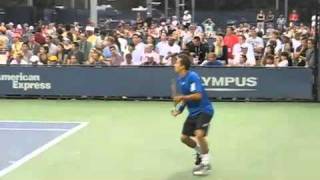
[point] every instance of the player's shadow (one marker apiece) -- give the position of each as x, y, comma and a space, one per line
187, 175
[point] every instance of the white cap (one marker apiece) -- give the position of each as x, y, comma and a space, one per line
186, 12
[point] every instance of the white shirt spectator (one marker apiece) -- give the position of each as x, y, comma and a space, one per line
138, 53
154, 55
238, 51
162, 48
15, 62
187, 18
256, 42
295, 44
283, 63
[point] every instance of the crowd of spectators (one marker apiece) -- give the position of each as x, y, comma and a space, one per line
270, 42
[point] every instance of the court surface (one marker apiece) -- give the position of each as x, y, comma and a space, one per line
45, 140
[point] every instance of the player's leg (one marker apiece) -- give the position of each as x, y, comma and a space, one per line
187, 132
200, 135
185, 139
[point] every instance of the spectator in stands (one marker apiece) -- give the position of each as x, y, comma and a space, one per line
257, 44
281, 22
73, 60
128, 60
76, 52
186, 19
299, 57
61, 55
220, 50
92, 38
284, 60
212, 61
18, 60
275, 38
34, 46
96, 58
34, 60
16, 46
269, 61
138, 52
270, 19
260, 21
162, 46
243, 48
230, 40
4, 52
151, 40
43, 54
198, 48
150, 57
116, 58
84, 46
3, 37
310, 53
39, 38
286, 44
53, 49
294, 17
67, 45
26, 52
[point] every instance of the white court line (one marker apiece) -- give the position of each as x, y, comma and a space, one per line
41, 149
41, 122
33, 129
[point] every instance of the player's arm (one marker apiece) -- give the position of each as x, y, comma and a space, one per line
192, 97
178, 109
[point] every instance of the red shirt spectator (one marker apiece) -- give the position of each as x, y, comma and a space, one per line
294, 16
39, 38
230, 40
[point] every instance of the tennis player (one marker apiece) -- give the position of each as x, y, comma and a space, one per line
195, 128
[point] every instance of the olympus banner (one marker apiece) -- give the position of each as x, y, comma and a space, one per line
154, 81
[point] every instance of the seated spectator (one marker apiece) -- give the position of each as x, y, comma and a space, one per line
73, 60
299, 57
172, 49
220, 50
62, 56
16, 46
284, 60
269, 61
96, 58
34, 60
150, 57
198, 48
75, 50
243, 48
128, 60
212, 61
4, 52
116, 58
26, 52
43, 54
33, 45
18, 60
